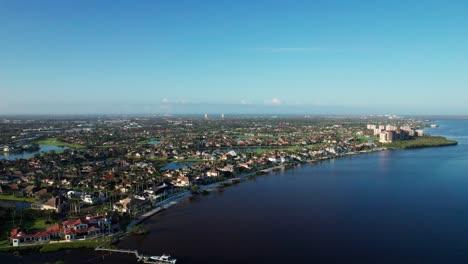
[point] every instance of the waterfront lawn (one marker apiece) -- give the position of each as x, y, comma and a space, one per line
11, 197
51, 247
75, 244
58, 143
421, 142
29, 224
28, 219
38, 224
4, 243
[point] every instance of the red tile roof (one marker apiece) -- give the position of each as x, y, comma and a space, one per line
53, 229
73, 222
41, 234
70, 231
15, 232
13, 186
23, 236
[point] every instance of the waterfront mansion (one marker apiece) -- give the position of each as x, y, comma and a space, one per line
86, 228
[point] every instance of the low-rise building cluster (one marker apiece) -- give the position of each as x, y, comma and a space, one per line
129, 165
87, 228
390, 133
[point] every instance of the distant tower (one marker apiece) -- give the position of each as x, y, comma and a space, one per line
222, 116
206, 116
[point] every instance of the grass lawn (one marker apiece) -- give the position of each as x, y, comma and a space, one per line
75, 244
11, 197
37, 224
28, 224
50, 247
58, 143
4, 243
365, 139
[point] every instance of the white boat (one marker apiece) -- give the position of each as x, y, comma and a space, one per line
164, 258
140, 197
87, 199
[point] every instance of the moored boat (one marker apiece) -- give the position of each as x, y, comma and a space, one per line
163, 259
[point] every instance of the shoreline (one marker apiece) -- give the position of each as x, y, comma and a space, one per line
166, 204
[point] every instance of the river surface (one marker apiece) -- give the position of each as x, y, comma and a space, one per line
405, 206
29, 154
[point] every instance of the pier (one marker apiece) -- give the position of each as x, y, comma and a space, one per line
139, 257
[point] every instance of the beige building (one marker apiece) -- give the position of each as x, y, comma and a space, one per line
387, 136
419, 132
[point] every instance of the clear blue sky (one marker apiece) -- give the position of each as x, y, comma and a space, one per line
404, 57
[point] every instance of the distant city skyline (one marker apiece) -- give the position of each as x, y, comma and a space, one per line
265, 57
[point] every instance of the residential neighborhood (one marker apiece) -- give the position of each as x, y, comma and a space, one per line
104, 172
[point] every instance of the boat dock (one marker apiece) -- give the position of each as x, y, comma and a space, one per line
139, 257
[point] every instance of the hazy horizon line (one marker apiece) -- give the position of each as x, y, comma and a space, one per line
274, 108
229, 115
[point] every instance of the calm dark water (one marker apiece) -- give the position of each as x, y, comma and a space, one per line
406, 206
176, 165
18, 205
29, 154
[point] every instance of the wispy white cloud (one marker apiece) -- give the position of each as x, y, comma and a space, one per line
274, 101
177, 101
291, 49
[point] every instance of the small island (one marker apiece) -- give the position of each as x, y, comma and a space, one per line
421, 142
406, 137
